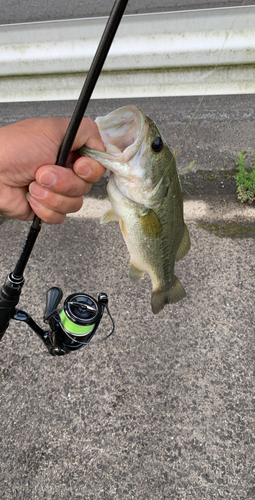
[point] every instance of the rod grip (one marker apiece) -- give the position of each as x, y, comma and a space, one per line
9, 298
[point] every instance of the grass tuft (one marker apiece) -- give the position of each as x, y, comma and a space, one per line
245, 180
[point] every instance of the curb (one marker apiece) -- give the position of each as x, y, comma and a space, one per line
192, 52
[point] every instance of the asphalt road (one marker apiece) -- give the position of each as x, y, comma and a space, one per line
23, 11
165, 408
209, 131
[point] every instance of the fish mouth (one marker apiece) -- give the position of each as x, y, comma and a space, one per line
125, 134
122, 132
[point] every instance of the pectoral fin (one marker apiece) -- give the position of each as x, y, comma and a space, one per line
109, 216
135, 274
151, 224
184, 246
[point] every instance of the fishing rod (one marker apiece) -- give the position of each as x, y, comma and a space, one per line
76, 324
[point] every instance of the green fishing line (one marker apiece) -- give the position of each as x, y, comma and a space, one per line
72, 327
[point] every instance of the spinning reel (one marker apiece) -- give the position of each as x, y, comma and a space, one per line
69, 329
76, 324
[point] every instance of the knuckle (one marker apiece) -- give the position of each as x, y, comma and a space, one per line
86, 189
54, 202
79, 204
65, 204
76, 191
53, 218
75, 206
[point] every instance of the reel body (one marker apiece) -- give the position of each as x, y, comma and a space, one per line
72, 327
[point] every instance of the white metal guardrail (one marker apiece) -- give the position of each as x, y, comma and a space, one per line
208, 51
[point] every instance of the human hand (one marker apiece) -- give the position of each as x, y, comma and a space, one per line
31, 183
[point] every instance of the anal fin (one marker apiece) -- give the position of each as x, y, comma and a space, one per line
184, 246
162, 297
135, 274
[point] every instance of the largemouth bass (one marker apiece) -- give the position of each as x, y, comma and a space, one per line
146, 198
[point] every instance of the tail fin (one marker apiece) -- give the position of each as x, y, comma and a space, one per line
162, 297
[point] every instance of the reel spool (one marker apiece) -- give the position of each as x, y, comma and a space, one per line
80, 317
77, 322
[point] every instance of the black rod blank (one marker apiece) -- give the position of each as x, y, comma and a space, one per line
92, 77
81, 105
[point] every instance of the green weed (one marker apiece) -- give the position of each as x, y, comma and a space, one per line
245, 180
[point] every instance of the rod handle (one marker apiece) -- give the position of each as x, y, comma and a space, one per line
9, 298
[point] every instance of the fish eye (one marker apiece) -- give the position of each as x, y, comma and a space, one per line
157, 144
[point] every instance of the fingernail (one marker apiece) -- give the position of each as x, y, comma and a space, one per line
38, 191
84, 170
48, 179
32, 201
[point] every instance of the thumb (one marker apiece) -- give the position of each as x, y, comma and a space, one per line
88, 134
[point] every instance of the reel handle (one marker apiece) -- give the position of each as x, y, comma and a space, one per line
53, 297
